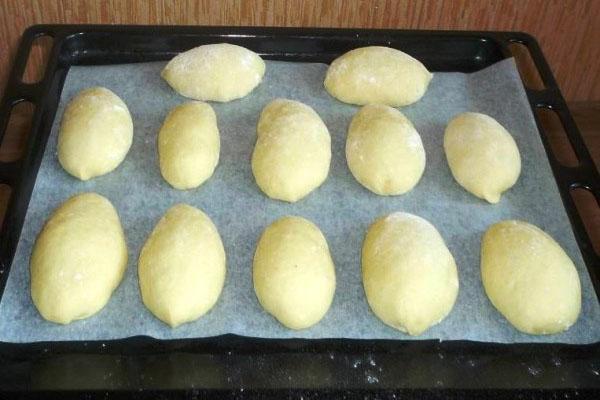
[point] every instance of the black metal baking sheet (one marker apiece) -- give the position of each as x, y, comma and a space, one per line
231, 364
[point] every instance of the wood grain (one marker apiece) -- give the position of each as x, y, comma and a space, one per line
568, 30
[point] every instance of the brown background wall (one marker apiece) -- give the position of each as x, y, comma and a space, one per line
569, 30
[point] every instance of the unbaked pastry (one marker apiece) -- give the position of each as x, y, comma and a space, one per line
292, 152
377, 74
181, 269
384, 151
95, 133
529, 278
78, 259
293, 273
409, 275
215, 72
482, 155
188, 145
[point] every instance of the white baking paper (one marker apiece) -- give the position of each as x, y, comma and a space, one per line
341, 207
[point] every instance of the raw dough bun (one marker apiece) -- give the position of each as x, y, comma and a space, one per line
182, 266
292, 152
78, 259
293, 273
482, 155
384, 150
95, 133
529, 278
215, 72
377, 74
188, 145
409, 275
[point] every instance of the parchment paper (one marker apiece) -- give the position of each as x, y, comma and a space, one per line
341, 207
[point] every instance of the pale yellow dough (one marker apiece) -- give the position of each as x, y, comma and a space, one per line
215, 72
188, 145
78, 259
384, 151
410, 277
181, 269
292, 152
377, 74
529, 278
95, 133
482, 155
293, 273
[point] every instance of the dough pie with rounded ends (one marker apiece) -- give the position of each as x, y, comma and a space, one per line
384, 151
182, 269
377, 74
95, 133
529, 278
409, 276
292, 152
215, 72
188, 145
482, 155
293, 273
78, 259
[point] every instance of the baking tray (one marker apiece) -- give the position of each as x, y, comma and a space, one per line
229, 364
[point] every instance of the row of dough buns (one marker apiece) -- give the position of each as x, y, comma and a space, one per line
292, 153
410, 277
375, 74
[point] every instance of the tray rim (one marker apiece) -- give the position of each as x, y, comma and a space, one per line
585, 174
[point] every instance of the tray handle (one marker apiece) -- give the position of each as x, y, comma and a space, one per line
15, 92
